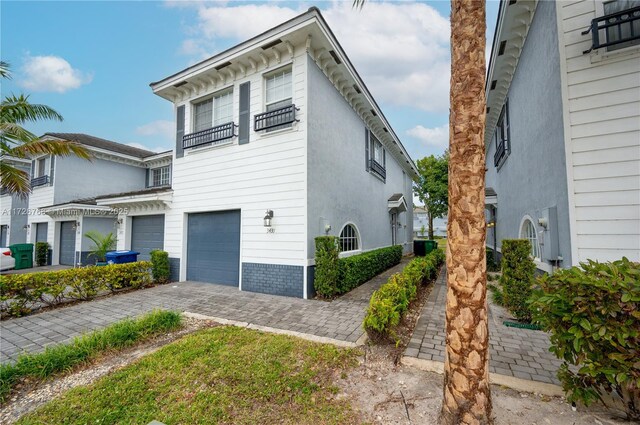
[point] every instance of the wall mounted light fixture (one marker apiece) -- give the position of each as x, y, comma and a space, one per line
26, 226
267, 218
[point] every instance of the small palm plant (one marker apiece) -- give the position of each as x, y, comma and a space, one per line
103, 244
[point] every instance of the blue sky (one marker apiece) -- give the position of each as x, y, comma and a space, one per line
93, 61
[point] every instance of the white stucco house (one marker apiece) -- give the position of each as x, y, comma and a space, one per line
278, 141
563, 130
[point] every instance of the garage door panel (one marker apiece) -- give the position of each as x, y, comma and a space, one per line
213, 247
147, 234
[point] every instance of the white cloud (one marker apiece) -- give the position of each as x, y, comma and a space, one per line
437, 136
400, 49
162, 128
51, 74
141, 146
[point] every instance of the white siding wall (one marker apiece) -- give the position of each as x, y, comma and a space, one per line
602, 99
5, 210
267, 173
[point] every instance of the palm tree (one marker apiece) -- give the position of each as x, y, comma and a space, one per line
103, 244
467, 397
17, 142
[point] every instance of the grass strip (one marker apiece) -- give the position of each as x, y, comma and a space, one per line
64, 357
225, 375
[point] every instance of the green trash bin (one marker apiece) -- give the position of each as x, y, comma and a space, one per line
23, 253
430, 245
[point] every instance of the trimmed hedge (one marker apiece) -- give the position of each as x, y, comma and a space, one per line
357, 269
517, 277
160, 266
327, 268
22, 293
593, 314
42, 253
389, 303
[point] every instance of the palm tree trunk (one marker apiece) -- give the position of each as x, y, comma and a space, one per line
467, 397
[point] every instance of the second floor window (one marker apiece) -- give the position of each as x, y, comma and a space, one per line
160, 176
214, 111
278, 94
41, 167
376, 157
502, 137
626, 30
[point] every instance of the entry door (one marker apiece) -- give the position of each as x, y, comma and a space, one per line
41, 232
67, 243
4, 230
213, 247
394, 227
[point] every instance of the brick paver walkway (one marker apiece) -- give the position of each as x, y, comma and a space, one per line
520, 353
340, 319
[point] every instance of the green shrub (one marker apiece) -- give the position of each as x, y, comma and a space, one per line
60, 358
160, 266
492, 265
496, 294
389, 303
21, 293
42, 253
357, 269
517, 277
327, 269
593, 314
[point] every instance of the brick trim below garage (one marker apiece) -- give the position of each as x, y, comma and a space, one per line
274, 279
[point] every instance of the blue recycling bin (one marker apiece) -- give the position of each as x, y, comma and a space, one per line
121, 257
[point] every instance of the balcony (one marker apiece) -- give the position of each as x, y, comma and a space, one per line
212, 135
617, 28
377, 168
39, 181
275, 118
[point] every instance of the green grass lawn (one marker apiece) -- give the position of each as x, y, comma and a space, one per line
442, 243
219, 375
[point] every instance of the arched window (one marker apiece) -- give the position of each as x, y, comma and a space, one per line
528, 231
349, 238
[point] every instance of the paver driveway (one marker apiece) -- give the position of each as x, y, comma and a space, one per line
340, 319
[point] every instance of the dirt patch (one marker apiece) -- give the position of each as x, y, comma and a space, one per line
32, 394
388, 393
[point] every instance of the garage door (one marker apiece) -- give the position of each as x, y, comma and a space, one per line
213, 247
67, 243
147, 234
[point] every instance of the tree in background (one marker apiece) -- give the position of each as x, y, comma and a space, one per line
467, 396
431, 186
17, 142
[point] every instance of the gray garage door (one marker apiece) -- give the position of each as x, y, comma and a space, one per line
67, 243
41, 232
213, 247
147, 234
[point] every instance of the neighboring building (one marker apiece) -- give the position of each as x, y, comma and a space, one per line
563, 130
279, 141
421, 220
13, 209
63, 207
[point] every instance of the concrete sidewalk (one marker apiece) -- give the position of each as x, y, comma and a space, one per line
517, 353
339, 320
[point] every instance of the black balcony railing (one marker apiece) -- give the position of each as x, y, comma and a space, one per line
377, 168
275, 118
501, 153
4, 191
210, 135
617, 28
39, 181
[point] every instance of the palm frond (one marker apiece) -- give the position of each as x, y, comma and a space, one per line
4, 70
14, 180
17, 109
14, 134
358, 4
50, 147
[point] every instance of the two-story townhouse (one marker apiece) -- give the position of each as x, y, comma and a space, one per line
278, 140
563, 130
13, 217
63, 203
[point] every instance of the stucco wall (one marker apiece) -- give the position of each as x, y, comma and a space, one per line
534, 176
340, 190
77, 178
